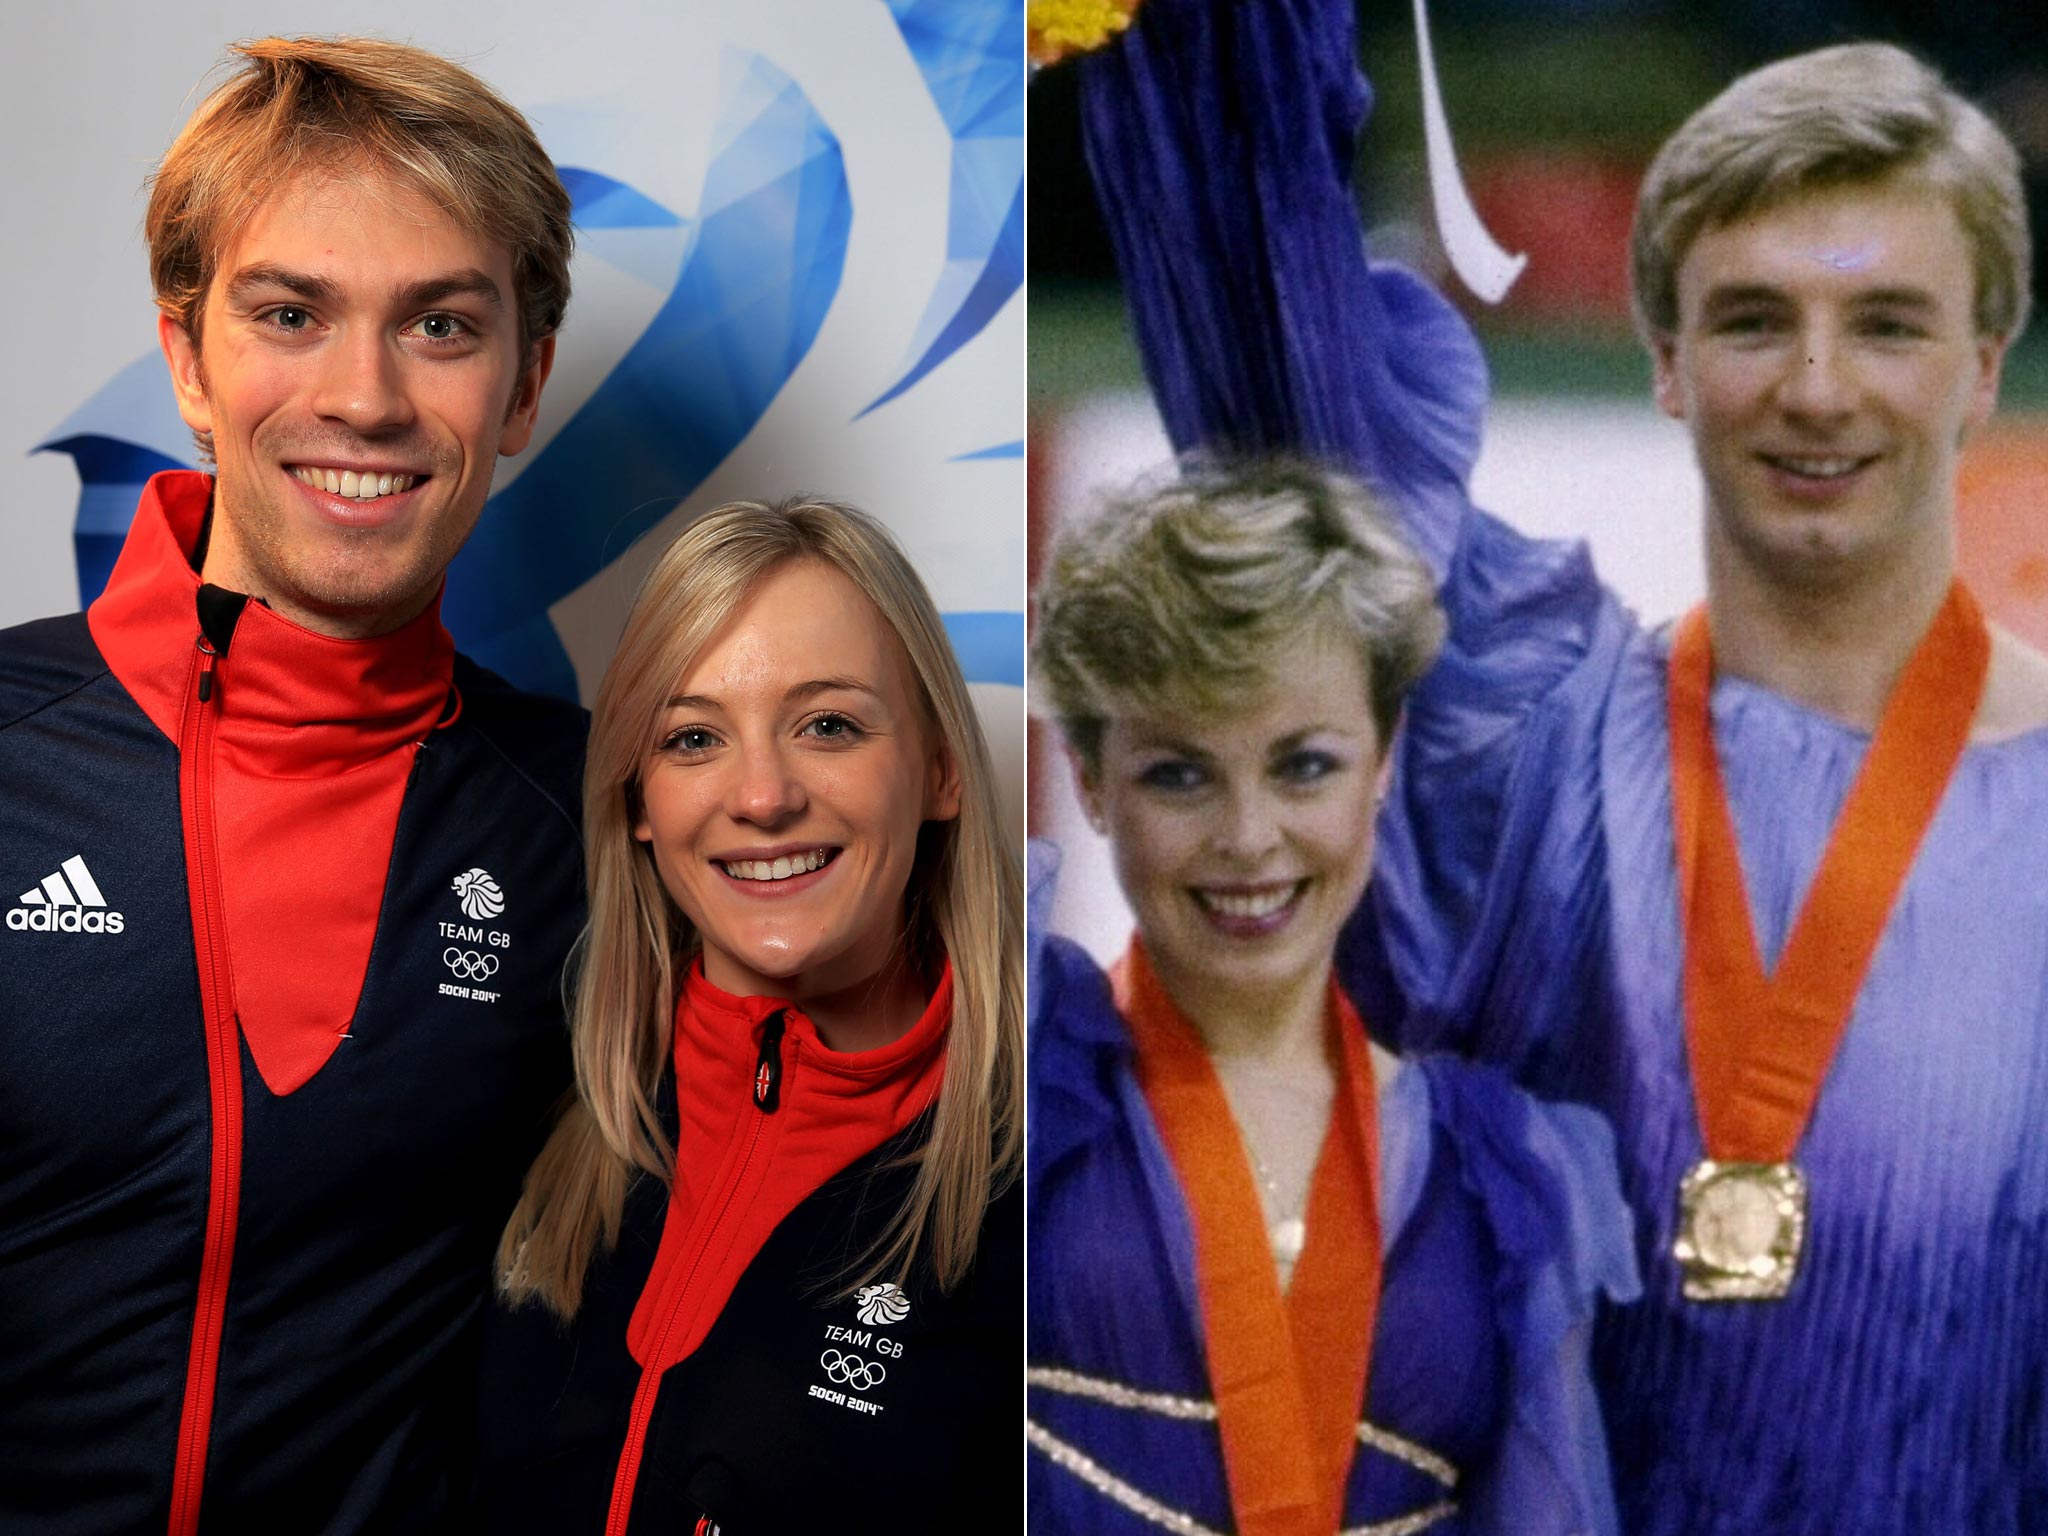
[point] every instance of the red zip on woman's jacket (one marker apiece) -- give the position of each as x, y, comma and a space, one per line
767, 1113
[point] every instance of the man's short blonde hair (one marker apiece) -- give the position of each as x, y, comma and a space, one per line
306, 104
1856, 115
1194, 595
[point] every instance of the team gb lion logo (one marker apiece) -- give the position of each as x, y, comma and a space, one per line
884, 1303
480, 895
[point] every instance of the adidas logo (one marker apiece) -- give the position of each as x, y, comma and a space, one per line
65, 905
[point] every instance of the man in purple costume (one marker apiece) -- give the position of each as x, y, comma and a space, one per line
1830, 263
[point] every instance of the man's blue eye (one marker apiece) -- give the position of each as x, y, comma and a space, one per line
441, 327
291, 318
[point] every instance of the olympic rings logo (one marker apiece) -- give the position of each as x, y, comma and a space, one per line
857, 1373
468, 964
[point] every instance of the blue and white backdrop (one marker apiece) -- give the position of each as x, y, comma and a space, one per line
799, 268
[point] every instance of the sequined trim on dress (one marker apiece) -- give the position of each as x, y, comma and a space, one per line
1419, 1457
1115, 1393
1145, 1507
1072, 1383
1405, 1525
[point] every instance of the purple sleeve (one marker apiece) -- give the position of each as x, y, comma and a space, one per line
1489, 884
1220, 135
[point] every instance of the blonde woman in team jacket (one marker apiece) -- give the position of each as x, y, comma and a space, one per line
768, 1273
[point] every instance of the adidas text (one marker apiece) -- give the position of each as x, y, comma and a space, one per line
62, 920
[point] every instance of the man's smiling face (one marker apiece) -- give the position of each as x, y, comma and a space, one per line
1828, 367
353, 332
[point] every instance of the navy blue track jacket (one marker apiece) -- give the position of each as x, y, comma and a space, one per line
242, 1260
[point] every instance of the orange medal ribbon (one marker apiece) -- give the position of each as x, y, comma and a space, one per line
1288, 1373
1760, 1046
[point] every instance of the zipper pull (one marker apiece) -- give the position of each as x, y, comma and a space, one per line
206, 668
768, 1070
219, 612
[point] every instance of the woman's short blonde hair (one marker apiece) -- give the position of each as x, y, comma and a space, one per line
303, 104
1856, 115
965, 903
1191, 595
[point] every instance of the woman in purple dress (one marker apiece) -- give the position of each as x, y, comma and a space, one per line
1278, 1283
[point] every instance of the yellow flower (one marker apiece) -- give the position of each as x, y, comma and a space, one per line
1060, 28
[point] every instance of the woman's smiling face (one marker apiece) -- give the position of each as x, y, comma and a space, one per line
1243, 840
792, 769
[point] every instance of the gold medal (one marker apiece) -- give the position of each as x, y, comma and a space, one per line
1740, 1227
1759, 1046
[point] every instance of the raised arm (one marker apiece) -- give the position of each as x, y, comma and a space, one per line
1220, 134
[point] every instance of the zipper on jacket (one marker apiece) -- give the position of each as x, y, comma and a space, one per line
768, 1070
223, 1074
767, 1099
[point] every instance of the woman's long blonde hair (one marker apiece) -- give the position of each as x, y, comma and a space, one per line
965, 901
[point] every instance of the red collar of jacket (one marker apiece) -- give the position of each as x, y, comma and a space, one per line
295, 704
718, 1035
740, 1168
312, 740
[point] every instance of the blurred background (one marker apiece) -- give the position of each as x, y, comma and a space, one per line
1556, 107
